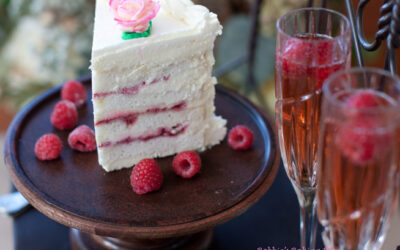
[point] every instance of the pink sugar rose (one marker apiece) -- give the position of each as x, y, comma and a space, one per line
134, 15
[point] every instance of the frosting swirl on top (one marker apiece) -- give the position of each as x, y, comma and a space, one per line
184, 10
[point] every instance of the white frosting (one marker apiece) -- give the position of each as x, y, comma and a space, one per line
180, 46
185, 11
174, 23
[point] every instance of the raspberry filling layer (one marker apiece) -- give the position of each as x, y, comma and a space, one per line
133, 90
160, 132
131, 118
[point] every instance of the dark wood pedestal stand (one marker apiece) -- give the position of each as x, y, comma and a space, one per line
101, 207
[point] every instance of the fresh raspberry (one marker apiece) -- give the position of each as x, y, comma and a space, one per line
82, 139
310, 57
240, 138
362, 99
358, 102
48, 147
360, 140
64, 115
295, 57
146, 177
326, 51
75, 92
323, 72
361, 137
186, 164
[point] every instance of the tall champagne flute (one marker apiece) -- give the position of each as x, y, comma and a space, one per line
312, 44
358, 157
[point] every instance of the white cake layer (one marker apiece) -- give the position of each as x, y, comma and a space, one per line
127, 155
174, 37
190, 70
175, 79
194, 95
119, 130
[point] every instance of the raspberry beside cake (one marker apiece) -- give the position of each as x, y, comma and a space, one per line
154, 96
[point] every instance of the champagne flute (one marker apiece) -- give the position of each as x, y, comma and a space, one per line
358, 157
312, 43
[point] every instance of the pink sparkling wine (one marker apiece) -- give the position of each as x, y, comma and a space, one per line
302, 66
358, 152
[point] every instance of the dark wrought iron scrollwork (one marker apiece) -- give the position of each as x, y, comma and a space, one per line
393, 41
388, 29
383, 25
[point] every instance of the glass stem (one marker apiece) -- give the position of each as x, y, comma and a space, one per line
308, 222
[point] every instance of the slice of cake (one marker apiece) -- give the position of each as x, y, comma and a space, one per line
153, 95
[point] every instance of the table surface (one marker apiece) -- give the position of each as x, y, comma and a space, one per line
272, 222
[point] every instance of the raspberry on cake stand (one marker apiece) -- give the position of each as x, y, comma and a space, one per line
101, 208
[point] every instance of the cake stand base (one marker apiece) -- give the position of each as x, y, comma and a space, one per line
85, 241
76, 192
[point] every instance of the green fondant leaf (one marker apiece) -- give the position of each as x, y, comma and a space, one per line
134, 35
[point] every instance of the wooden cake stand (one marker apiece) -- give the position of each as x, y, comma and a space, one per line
102, 209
